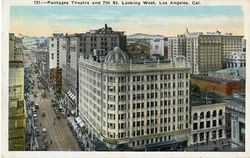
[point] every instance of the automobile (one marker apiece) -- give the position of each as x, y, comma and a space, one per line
44, 132
43, 114
33, 109
58, 116
36, 106
37, 131
35, 116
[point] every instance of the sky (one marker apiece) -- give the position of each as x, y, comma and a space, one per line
167, 21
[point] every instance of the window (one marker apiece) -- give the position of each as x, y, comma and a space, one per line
195, 137
195, 116
208, 124
214, 113
195, 126
214, 123
202, 115
220, 133
202, 136
208, 114
214, 135
220, 113
220, 122
201, 125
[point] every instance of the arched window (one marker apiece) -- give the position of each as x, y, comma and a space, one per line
195, 116
208, 114
214, 113
202, 115
220, 112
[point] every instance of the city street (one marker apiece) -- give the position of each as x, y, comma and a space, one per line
59, 135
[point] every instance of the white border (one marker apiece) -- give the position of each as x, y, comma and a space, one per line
4, 95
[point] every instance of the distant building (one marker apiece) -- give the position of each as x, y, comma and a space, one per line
135, 104
17, 112
96, 43
230, 43
236, 59
244, 44
42, 59
157, 46
204, 52
207, 123
208, 52
176, 46
57, 56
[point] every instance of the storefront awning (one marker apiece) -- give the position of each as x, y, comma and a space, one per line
165, 144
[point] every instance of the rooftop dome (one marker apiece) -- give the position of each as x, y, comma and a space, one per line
117, 56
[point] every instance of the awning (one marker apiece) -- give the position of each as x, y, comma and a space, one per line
165, 144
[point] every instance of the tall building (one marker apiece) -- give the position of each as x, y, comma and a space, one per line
94, 43
135, 103
57, 56
230, 43
204, 52
17, 109
176, 46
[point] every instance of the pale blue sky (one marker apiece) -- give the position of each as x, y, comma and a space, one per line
36, 21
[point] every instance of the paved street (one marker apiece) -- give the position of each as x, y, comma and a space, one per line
59, 135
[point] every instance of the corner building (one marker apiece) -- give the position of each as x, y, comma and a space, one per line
134, 103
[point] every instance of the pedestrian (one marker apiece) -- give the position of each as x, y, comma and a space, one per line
54, 123
51, 141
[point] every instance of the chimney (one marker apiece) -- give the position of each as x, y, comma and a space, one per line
186, 30
106, 26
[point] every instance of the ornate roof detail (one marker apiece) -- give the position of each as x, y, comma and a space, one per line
117, 56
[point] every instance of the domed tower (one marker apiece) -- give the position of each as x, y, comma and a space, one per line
117, 56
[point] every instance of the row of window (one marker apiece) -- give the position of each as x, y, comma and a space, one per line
208, 114
149, 77
208, 124
149, 141
206, 136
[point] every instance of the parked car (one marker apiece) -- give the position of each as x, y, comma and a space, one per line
43, 114
37, 131
36, 106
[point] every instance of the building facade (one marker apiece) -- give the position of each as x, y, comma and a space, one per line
230, 43
220, 86
204, 52
57, 56
176, 46
157, 46
134, 103
236, 59
17, 109
207, 123
94, 43
209, 52
235, 112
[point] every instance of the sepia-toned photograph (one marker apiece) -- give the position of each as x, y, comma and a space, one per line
126, 78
